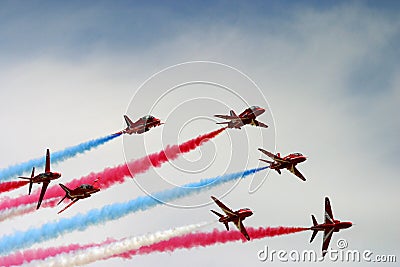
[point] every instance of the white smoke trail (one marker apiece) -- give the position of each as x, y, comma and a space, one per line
18, 211
21, 210
88, 255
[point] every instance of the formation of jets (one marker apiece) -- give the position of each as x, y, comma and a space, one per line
142, 125
247, 117
276, 163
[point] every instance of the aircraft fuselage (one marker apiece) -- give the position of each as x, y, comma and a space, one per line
252, 112
292, 161
142, 127
46, 176
337, 225
79, 193
240, 214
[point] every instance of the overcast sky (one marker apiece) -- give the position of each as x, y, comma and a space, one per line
329, 73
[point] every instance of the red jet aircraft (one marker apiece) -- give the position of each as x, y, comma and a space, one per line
141, 125
289, 162
331, 225
80, 192
246, 117
44, 178
237, 217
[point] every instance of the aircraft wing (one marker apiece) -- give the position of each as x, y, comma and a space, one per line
327, 238
237, 124
47, 168
224, 208
242, 229
328, 211
296, 172
69, 205
45, 184
260, 124
272, 156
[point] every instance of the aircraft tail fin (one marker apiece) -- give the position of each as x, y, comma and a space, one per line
30, 186
33, 172
314, 220
62, 199
67, 193
314, 234
217, 213
30, 180
226, 226
220, 215
232, 113
128, 121
267, 161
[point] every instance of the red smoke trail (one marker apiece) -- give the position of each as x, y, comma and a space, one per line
118, 174
8, 186
209, 239
185, 241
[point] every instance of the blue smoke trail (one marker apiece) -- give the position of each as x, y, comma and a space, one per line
18, 169
115, 211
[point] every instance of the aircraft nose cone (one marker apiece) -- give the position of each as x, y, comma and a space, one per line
257, 110
260, 110
348, 224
